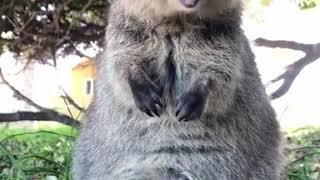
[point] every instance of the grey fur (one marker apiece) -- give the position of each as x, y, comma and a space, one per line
234, 136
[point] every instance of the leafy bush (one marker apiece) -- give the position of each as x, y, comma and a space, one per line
303, 154
36, 155
306, 4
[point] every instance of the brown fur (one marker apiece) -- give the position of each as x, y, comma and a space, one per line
178, 97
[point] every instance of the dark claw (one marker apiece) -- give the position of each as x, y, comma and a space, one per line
158, 103
154, 110
182, 119
147, 96
191, 105
149, 113
178, 111
156, 113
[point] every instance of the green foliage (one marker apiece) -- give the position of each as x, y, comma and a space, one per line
303, 154
307, 4
36, 155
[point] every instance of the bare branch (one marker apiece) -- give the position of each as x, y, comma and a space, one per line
281, 44
19, 95
312, 53
49, 115
21, 29
72, 47
71, 101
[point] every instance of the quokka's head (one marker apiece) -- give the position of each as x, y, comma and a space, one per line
165, 8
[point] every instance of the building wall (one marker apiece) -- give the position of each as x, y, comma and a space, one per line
82, 83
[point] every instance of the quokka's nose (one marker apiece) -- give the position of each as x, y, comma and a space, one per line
189, 3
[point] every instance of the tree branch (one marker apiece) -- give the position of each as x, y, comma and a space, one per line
37, 31
71, 101
312, 53
48, 115
19, 95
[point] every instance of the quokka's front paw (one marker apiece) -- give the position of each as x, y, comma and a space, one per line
147, 96
191, 104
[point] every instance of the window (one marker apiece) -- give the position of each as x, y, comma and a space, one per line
88, 87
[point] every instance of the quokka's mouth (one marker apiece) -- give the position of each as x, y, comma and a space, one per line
189, 3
